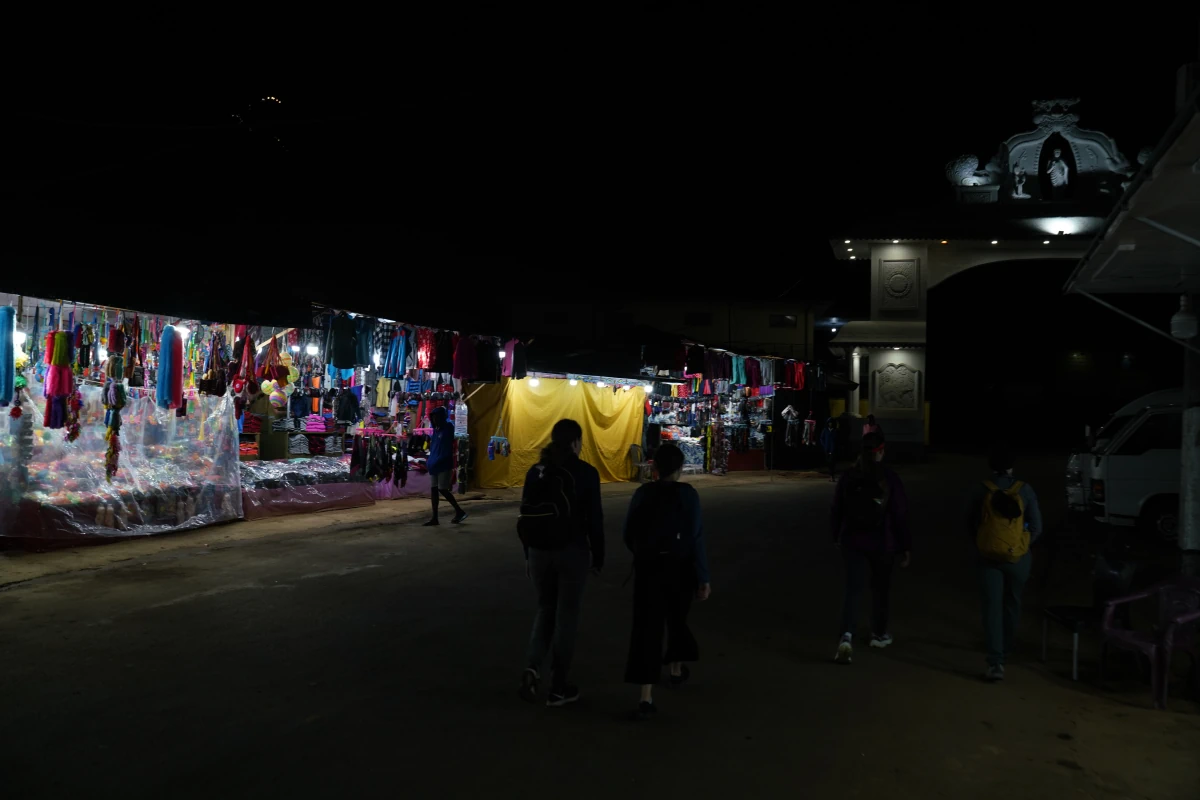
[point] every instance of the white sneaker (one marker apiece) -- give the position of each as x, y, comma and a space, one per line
881, 641
845, 651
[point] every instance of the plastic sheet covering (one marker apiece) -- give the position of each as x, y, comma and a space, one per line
301, 485
174, 473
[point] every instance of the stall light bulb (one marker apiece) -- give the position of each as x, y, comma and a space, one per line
833, 330
534, 381
574, 382
103, 354
182, 331
19, 338
378, 359
311, 349
647, 388
295, 348
601, 384
627, 388
502, 354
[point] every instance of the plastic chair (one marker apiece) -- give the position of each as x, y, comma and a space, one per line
1112, 576
1178, 620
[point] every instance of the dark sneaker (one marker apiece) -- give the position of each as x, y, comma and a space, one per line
459, 517
560, 697
431, 522
645, 711
529, 685
994, 673
682, 677
881, 641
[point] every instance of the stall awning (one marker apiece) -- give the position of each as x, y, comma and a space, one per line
1151, 242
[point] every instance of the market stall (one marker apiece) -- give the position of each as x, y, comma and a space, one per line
516, 415
92, 445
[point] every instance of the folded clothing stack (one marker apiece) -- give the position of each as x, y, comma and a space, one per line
333, 445
298, 445
314, 424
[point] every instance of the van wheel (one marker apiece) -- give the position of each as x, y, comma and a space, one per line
1160, 518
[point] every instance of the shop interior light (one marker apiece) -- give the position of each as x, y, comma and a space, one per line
103, 353
311, 349
534, 381
833, 330
895, 241
295, 348
944, 241
1046, 242
573, 382
895, 348
853, 257
18, 338
847, 241
627, 387
502, 354
183, 332
601, 384
994, 241
647, 388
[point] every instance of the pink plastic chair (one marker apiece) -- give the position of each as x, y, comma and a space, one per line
1178, 620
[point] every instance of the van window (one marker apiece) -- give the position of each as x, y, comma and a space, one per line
1157, 432
1109, 432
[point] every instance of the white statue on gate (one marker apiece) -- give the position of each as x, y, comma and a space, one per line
1019, 175
1058, 171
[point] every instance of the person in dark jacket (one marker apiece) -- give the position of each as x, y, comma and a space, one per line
870, 525
829, 445
665, 532
441, 464
560, 575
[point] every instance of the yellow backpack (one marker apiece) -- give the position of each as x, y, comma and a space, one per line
1002, 536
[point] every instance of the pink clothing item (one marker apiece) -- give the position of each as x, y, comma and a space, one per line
509, 347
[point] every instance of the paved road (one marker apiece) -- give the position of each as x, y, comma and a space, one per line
385, 661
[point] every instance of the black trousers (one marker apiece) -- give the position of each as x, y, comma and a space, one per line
663, 590
861, 567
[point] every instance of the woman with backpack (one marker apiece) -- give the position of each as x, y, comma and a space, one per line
561, 525
870, 525
665, 532
1004, 519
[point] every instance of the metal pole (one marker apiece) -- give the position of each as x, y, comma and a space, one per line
1189, 489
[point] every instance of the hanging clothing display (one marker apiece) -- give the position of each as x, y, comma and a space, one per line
364, 338
443, 351
753, 373
739, 371
426, 344
465, 359
514, 359
767, 365
343, 335
695, 360
487, 360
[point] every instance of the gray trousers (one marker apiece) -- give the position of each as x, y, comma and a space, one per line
1001, 586
559, 577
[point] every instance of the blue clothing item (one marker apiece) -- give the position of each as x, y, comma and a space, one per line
1033, 514
441, 449
829, 440
691, 526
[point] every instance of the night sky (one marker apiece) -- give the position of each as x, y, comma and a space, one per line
660, 146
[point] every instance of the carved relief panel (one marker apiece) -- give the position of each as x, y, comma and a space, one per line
898, 285
896, 387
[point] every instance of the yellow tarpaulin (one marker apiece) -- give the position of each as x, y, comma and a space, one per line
611, 422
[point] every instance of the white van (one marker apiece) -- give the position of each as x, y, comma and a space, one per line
1131, 475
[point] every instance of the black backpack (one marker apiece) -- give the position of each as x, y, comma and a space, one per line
545, 521
865, 502
656, 525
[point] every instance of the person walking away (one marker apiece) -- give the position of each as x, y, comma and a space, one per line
665, 532
870, 526
871, 426
561, 525
829, 444
441, 464
1004, 519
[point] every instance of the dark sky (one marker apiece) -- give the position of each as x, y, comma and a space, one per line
685, 135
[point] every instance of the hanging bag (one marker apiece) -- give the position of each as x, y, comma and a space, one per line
135, 370
499, 442
272, 368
